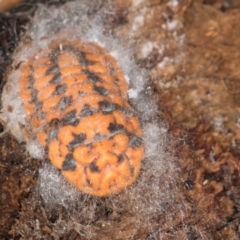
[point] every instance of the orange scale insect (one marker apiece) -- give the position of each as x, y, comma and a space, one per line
97, 139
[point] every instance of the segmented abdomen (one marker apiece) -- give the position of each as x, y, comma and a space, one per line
75, 98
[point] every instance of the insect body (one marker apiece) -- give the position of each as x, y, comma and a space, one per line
75, 99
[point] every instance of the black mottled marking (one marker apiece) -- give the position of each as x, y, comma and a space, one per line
101, 90
31, 81
75, 122
86, 111
70, 117
39, 106
64, 102
78, 140
81, 93
92, 77
60, 89
121, 158
132, 169
93, 167
90, 146
88, 182
42, 115
53, 55
128, 112
99, 137
52, 69
55, 122
117, 81
69, 163
52, 134
111, 69
34, 93
115, 127
57, 78
107, 107
134, 141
